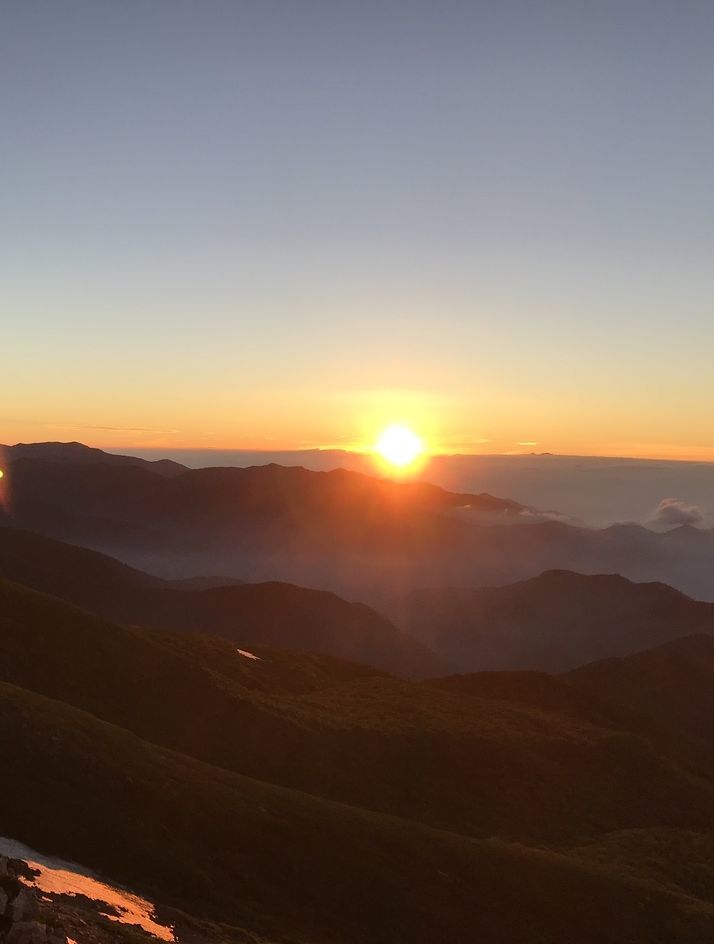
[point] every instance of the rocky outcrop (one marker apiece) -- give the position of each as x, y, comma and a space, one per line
20, 921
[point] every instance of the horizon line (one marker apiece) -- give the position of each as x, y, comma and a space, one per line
362, 452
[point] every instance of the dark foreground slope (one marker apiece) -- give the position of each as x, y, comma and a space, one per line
295, 868
672, 684
273, 614
479, 765
552, 622
97, 723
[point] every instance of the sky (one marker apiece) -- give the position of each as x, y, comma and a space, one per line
282, 225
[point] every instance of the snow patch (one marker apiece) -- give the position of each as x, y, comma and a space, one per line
248, 655
58, 877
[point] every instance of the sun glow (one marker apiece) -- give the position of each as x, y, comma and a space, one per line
399, 446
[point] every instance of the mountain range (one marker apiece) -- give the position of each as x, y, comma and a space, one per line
273, 764
362, 537
552, 622
275, 614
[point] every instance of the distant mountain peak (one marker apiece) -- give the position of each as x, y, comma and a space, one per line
80, 454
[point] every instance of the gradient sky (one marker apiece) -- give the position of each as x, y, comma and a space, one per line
280, 224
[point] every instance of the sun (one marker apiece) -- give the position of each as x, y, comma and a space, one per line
399, 446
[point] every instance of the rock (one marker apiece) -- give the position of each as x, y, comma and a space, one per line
19, 869
23, 906
33, 932
27, 932
19, 908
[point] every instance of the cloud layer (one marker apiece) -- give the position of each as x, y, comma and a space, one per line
673, 512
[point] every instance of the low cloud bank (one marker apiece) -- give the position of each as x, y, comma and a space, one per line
673, 512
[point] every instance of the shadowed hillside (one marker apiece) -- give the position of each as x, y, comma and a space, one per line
291, 867
480, 765
672, 684
91, 714
274, 614
552, 622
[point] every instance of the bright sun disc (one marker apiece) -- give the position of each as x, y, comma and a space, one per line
399, 446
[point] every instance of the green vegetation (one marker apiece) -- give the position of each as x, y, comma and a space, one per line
293, 867
307, 799
481, 766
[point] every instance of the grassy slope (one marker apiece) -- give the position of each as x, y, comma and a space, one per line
293, 867
521, 755
473, 764
671, 685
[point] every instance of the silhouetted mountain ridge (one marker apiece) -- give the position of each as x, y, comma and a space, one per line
76, 453
357, 535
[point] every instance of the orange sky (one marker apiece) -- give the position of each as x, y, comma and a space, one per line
274, 232
121, 419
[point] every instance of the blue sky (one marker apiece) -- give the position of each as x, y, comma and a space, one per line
284, 222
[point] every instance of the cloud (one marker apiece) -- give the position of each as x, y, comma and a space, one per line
126, 429
674, 511
537, 515
112, 429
